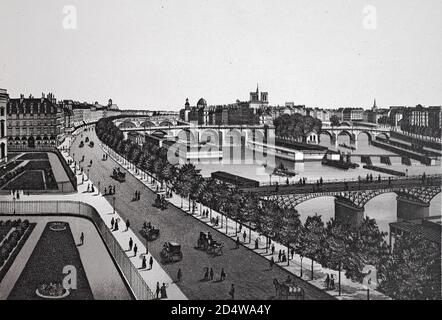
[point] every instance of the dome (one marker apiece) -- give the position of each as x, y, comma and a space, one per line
201, 103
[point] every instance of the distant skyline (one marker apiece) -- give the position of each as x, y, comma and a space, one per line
155, 54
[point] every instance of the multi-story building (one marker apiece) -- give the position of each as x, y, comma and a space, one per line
353, 114
4, 98
34, 122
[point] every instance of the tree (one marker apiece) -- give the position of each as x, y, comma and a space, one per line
335, 121
338, 237
291, 225
412, 271
314, 233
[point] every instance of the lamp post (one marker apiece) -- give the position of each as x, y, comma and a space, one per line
13, 201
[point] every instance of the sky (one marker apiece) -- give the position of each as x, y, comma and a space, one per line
153, 54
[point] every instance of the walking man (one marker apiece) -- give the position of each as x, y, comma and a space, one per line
131, 243
223, 275
112, 223
244, 236
273, 249
150, 263
237, 242
82, 238
157, 292
179, 275
135, 250
232, 292
127, 224
272, 262
211, 274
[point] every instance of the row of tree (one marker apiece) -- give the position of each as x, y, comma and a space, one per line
332, 244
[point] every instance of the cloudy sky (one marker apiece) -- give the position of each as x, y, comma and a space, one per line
153, 54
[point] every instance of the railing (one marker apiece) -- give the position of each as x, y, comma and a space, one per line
75, 208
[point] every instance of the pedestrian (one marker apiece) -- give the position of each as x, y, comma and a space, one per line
157, 292
211, 274
332, 283
135, 250
150, 263
223, 275
256, 243
127, 224
88, 188
105, 191
206, 273
327, 282
232, 292
292, 252
279, 256
244, 236
273, 249
237, 242
143, 263
82, 238
272, 262
112, 223
163, 291
117, 221
179, 275
131, 243
92, 189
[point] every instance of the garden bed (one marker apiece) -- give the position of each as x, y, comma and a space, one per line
54, 251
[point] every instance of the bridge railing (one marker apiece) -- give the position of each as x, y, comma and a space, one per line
363, 179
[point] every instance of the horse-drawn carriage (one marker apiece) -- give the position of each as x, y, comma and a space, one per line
171, 252
150, 232
81, 144
118, 175
288, 290
205, 242
160, 202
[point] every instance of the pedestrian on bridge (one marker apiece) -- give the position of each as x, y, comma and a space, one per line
179, 275
127, 224
223, 275
237, 243
273, 249
135, 250
272, 262
112, 223
131, 243
244, 236
82, 238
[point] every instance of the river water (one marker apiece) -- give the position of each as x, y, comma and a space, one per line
382, 208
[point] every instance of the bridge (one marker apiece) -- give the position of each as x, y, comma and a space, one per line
147, 121
414, 195
353, 132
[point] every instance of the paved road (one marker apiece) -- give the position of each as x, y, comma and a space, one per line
246, 269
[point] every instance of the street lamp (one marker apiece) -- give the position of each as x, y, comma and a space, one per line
13, 201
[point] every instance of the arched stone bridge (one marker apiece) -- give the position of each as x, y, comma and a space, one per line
414, 195
353, 132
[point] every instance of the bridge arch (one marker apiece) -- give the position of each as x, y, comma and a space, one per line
165, 123
367, 133
147, 123
210, 136
323, 133
343, 124
382, 135
126, 125
186, 135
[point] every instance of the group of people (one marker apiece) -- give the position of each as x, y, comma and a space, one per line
109, 191
161, 291
205, 213
329, 282
209, 274
114, 224
90, 188
215, 221
302, 181
137, 195
16, 193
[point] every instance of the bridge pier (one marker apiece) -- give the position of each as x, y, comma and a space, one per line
408, 209
346, 212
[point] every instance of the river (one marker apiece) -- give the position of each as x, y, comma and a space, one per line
382, 208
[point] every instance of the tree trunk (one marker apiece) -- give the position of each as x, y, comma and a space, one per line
312, 269
288, 254
301, 267
226, 226
339, 278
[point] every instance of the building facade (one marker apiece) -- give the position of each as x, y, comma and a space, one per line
33, 122
4, 98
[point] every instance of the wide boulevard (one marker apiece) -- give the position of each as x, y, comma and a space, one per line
247, 270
